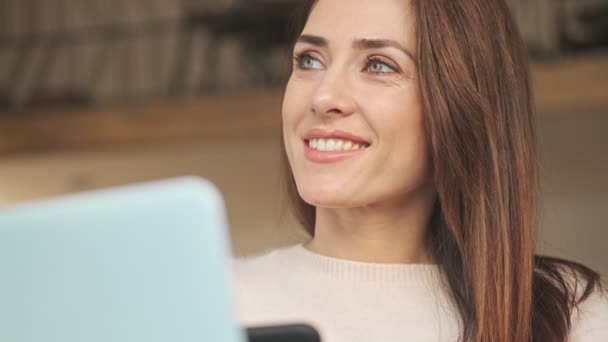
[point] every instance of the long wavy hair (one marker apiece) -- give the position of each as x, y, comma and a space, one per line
480, 125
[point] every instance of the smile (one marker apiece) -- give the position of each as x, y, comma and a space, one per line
330, 145
325, 151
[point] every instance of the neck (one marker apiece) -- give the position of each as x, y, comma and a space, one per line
390, 233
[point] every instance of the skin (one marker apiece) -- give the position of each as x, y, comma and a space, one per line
374, 206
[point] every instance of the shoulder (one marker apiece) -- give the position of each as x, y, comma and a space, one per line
259, 286
264, 273
261, 265
255, 269
252, 263
590, 318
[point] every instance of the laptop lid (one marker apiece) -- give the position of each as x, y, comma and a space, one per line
146, 262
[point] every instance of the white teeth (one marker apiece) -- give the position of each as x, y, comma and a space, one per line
321, 145
330, 145
333, 145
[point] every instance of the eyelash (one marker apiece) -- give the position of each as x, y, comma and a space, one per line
299, 57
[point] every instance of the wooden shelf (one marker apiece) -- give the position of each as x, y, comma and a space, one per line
571, 85
203, 119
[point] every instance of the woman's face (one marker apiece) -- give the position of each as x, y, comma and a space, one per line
352, 113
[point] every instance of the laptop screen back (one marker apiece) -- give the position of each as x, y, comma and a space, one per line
140, 263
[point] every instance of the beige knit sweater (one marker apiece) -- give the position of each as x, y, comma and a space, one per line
351, 301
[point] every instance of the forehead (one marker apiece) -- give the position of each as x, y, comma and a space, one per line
345, 20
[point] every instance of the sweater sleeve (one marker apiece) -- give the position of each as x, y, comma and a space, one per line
590, 320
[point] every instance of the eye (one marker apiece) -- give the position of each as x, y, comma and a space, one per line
306, 61
377, 66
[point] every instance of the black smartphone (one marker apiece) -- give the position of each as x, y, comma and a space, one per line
283, 333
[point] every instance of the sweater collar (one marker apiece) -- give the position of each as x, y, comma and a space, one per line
300, 257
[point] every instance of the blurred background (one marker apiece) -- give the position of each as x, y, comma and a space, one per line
99, 93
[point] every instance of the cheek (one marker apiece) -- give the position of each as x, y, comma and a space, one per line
405, 143
402, 166
398, 117
294, 105
402, 133
293, 112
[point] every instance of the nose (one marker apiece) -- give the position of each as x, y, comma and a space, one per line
333, 96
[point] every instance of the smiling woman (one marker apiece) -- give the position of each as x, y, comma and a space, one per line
411, 160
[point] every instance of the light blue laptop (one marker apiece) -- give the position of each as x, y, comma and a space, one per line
142, 263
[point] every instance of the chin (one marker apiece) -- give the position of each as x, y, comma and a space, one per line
326, 197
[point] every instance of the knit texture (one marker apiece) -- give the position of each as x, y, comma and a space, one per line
351, 301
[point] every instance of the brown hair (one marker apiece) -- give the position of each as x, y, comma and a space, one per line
478, 106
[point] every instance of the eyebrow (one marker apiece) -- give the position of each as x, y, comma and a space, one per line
313, 40
360, 44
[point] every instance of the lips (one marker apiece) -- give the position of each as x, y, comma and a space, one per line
323, 146
335, 134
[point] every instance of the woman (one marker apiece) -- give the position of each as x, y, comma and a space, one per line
408, 129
